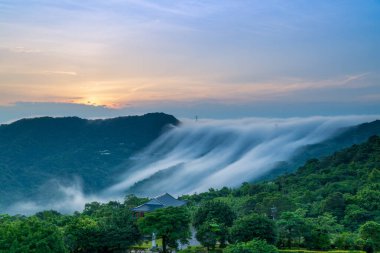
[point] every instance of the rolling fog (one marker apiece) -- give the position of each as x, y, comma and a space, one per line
214, 153
198, 155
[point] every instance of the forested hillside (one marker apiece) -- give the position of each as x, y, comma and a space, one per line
343, 139
321, 206
345, 184
332, 203
34, 151
39, 156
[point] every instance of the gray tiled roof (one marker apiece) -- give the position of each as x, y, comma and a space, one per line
146, 208
169, 200
154, 202
161, 201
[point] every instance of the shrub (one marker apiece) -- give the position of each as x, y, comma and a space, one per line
254, 246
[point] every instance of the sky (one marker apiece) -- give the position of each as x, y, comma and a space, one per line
214, 59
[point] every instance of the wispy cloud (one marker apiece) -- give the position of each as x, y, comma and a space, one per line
180, 8
24, 50
67, 73
157, 7
203, 89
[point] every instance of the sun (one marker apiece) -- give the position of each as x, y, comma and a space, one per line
96, 101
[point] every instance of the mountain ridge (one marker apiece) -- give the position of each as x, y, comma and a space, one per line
34, 151
39, 156
345, 138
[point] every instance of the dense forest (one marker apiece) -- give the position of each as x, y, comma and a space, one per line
35, 152
331, 203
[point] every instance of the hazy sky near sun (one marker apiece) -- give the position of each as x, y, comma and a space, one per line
211, 58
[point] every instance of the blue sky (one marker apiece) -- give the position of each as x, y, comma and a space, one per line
216, 59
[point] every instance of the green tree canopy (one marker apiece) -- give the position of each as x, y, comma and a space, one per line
30, 235
254, 246
171, 224
210, 232
253, 226
217, 211
81, 234
322, 229
334, 204
292, 226
111, 228
370, 232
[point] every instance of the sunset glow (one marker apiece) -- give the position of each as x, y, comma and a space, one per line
164, 55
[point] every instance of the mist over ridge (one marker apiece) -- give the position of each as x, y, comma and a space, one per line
197, 155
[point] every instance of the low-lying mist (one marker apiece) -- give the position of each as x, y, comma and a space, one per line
198, 155
215, 153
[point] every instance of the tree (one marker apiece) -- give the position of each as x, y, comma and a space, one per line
292, 226
53, 217
370, 233
30, 235
374, 176
118, 231
278, 200
322, 228
81, 234
91, 208
111, 228
346, 241
217, 211
208, 216
210, 232
254, 246
131, 201
171, 224
254, 226
369, 197
335, 205
355, 216
249, 205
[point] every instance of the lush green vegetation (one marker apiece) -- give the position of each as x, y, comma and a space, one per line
99, 228
170, 224
328, 204
254, 246
35, 151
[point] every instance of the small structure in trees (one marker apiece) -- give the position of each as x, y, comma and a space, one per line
162, 201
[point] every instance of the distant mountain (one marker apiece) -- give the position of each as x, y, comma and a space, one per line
36, 152
344, 138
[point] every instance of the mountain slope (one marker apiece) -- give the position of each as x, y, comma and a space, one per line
129, 154
344, 138
36, 151
345, 185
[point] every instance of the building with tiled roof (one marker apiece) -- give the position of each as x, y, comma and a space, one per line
162, 201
